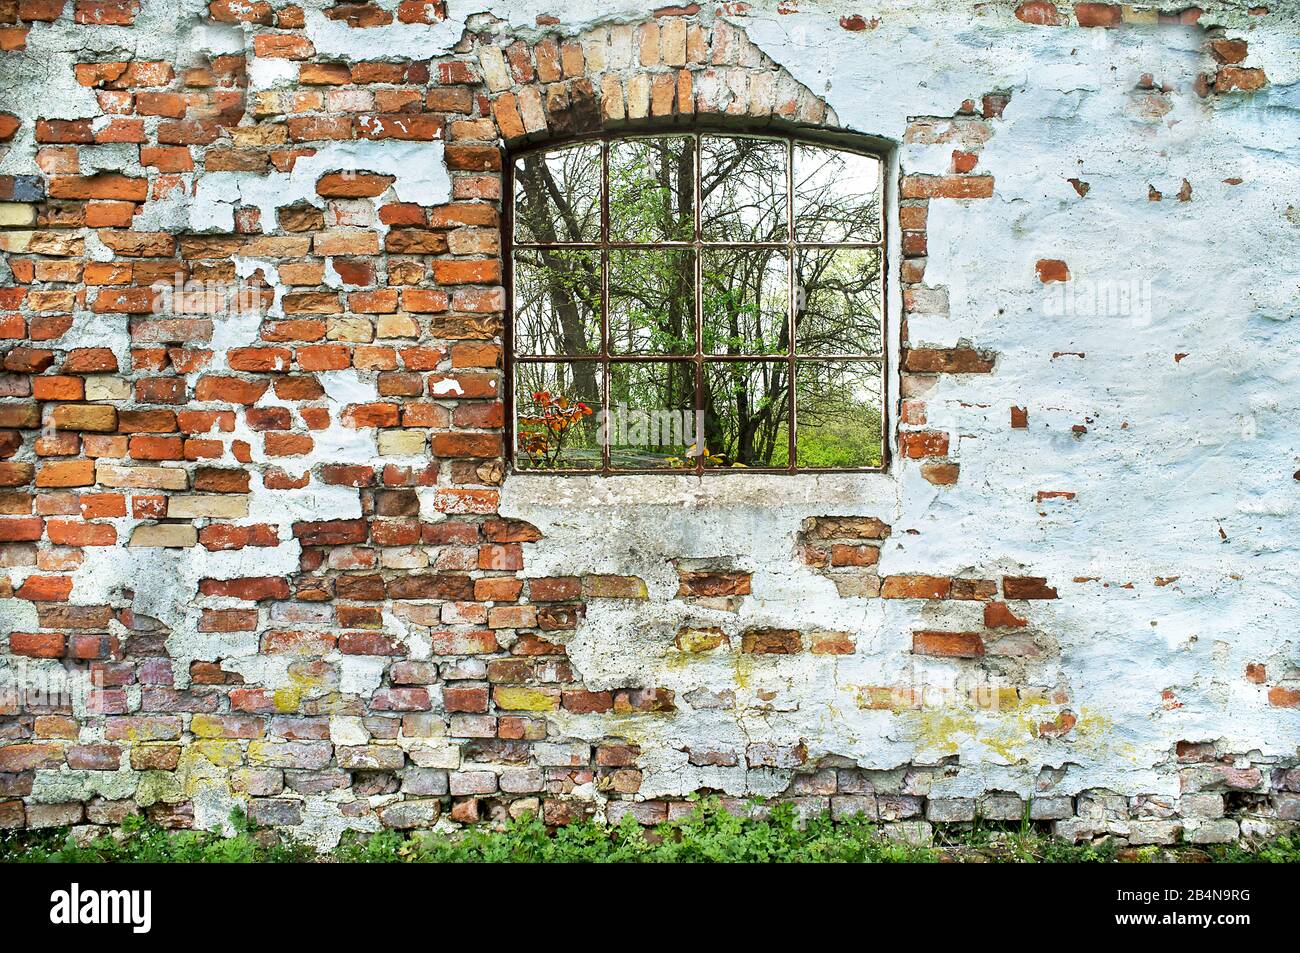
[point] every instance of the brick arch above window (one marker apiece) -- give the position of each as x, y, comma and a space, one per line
660, 70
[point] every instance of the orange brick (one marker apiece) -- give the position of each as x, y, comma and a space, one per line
915, 587
76, 533
58, 388
948, 644
102, 505
110, 214
66, 473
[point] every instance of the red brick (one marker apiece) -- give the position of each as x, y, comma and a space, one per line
42, 10
108, 185
1040, 13
406, 126
915, 587
282, 46
36, 645
106, 12
1280, 697
948, 644
74, 533
26, 529
947, 186
772, 642
1027, 587
951, 360
353, 185
466, 445
1052, 269
1229, 78
229, 390
1227, 50
330, 532
369, 643
917, 444
472, 699
46, 588
998, 615
64, 131
228, 620
1098, 14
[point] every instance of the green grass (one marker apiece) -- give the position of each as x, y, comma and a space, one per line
709, 835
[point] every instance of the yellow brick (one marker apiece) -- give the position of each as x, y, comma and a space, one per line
17, 215
397, 326
614, 587
15, 242
99, 418
164, 536
401, 443
223, 506
141, 478
107, 388
223, 754
357, 330
525, 699
700, 640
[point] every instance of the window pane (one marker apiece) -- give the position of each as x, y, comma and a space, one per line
837, 301
557, 415
652, 415
652, 190
746, 301
641, 399
746, 413
651, 301
836, 195
837, 406
743, 190
557, 195
557, 302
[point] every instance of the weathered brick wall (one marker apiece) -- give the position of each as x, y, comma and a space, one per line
272, 558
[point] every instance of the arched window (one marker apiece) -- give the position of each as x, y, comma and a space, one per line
696, 302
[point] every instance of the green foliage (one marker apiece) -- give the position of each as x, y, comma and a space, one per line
1283, 850
142, 842
1023, 844
851, 440
710, 834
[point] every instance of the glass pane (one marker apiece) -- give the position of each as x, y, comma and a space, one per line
836, 195
743, 190
746, 301
557, 195
557, 302
651, 301
837, 301
652, 420
652, 189
557, 414
746, 413
838, 409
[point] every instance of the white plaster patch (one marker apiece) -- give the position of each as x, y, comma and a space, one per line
395, 40
421, 178
360, 674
